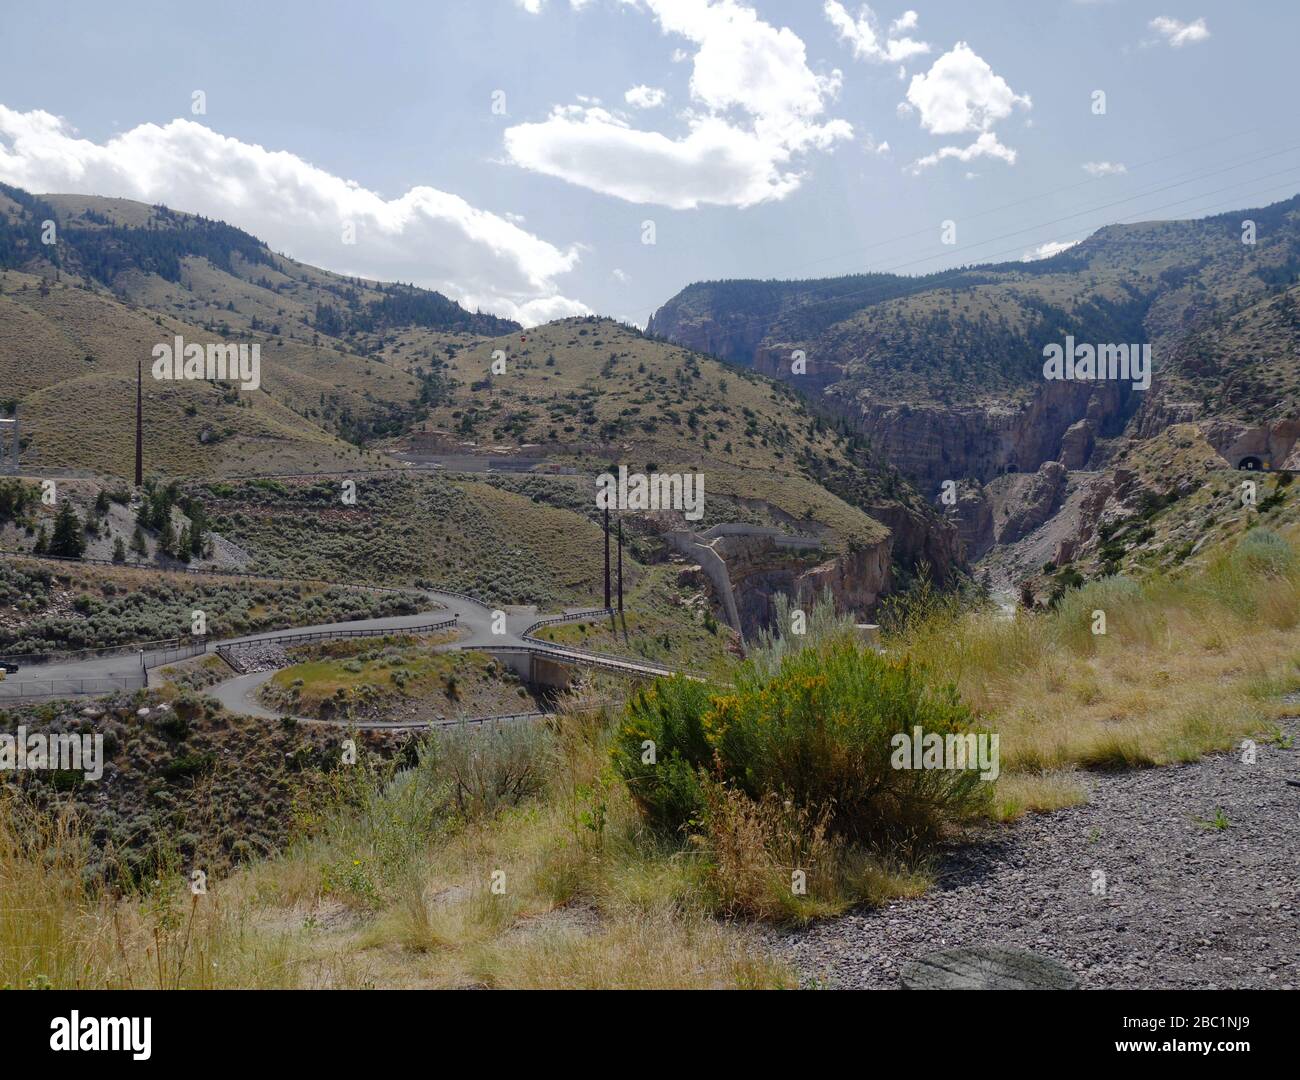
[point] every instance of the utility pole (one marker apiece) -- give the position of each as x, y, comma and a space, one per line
607, 558
139, 424
620, 564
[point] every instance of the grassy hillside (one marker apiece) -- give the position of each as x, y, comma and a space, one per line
77, 316
64, 606
590, 394
1244, 365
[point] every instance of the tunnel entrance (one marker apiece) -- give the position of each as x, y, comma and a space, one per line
1250, 463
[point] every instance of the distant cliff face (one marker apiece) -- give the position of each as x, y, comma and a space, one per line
933, 443
943, 374
732, 337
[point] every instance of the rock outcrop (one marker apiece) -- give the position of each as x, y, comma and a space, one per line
973, 515
748, 567
932, 443
1077, 444
1259, 446
1034, 503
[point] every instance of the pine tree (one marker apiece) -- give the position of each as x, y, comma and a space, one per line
119, 550
67, 540
198, 526
42, 545
167, 540
139, 544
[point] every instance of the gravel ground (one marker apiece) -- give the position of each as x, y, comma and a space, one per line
260, 657
1186, 905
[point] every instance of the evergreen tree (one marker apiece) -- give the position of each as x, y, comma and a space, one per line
42, 545
67, 540
167, 540
119, 550
138, 543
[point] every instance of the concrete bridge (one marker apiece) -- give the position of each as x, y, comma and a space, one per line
482, 627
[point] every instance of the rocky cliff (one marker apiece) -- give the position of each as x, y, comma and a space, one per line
759, 570
932, 443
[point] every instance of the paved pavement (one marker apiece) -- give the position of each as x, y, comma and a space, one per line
475, 621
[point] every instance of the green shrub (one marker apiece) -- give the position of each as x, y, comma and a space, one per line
1128, 615
816, 732
664, 779
1262, 551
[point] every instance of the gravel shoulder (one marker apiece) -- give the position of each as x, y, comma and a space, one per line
1185, 905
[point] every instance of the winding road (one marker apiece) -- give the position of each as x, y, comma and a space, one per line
474, 620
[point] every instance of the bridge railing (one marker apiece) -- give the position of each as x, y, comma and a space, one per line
573, 616
273, 638
579, 656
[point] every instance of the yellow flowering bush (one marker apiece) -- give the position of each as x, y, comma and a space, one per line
816, 732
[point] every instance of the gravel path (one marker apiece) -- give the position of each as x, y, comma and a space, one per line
1186, 905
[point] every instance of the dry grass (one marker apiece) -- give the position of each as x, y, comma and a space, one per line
565, 887
1185, 668
559, 890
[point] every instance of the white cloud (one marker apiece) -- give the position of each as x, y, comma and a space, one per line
645, 97
960, 93
619, 276
1177, 34
873, 147
1104, 168
865, 39
756, 106
533, 7
426, 236
1047, 250
987, 145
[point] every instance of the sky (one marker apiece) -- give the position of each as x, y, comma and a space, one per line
543, 158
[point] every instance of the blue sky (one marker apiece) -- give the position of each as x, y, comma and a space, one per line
762, 138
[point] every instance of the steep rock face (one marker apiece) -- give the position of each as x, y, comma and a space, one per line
759, 571
1105, 498
932, 443
1270, 445
730, 337
1034, 503
973, 516
1077, 444
1155, 413
916, 538
777, 362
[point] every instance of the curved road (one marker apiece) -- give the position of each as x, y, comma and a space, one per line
473, 619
